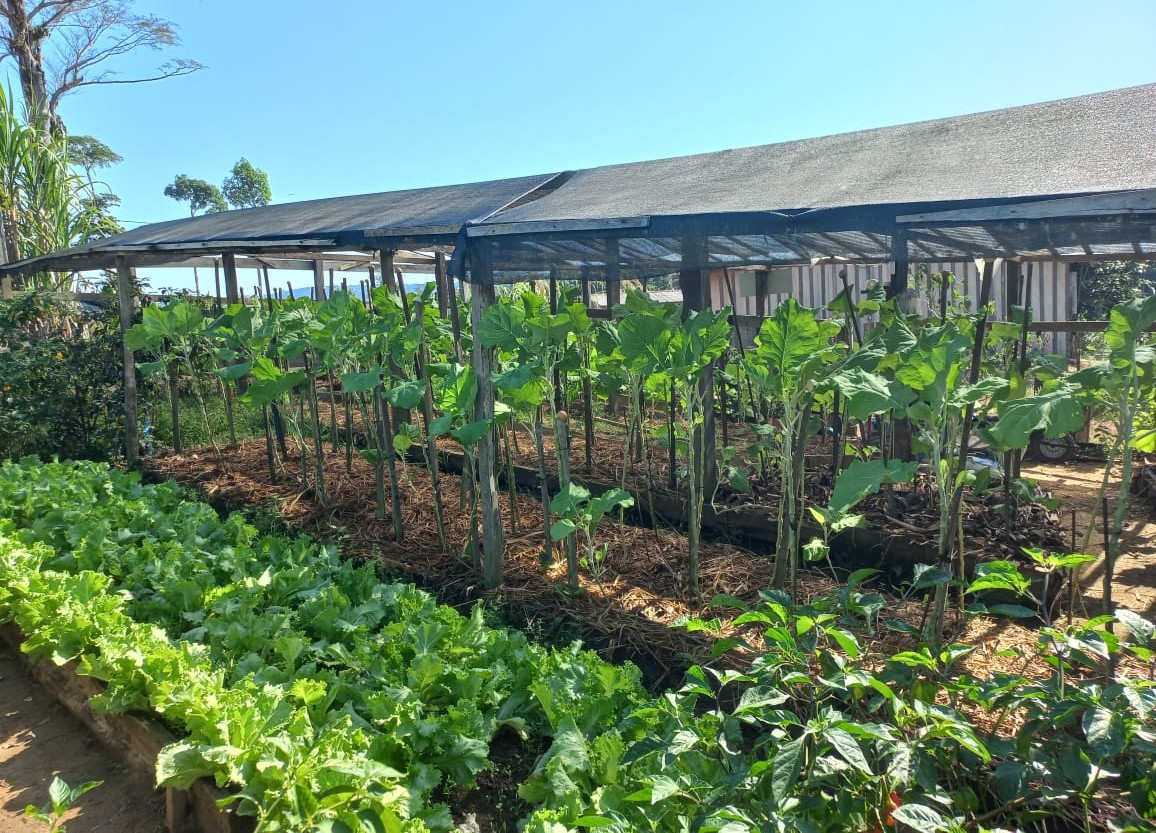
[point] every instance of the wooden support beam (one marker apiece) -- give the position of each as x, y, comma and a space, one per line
613, 279
695, 285
899, 257
319, 280
232, 291
124, 296
440, 279
493, 538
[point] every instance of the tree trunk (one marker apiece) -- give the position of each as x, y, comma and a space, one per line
24, 42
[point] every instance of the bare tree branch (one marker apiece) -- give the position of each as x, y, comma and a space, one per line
81, 38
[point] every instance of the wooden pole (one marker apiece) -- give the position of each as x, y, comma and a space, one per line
217, 282
440, 283
481, 296
124, 296
613, 279
330, 281
455, 320
695, 285
232, 293
319, 280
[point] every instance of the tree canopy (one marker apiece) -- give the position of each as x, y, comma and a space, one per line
199, 194
247, 186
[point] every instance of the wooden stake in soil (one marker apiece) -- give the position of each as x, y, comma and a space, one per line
124, 296
562, 441
482, 295
175, 406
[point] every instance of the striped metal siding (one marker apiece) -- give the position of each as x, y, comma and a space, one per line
1053, 290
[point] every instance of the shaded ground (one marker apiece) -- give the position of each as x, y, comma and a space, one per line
1077, 485
39, 739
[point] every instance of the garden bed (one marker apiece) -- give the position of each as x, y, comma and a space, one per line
133, 740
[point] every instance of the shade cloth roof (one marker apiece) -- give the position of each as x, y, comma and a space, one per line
830, 197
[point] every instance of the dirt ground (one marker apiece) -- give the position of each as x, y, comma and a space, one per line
39, 739
1076, 485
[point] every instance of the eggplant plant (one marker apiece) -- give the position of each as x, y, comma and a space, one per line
177, 334
578, 511
792, 352
684, 353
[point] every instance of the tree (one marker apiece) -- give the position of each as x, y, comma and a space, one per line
1105, 284
247, 186
81, 36
199, 194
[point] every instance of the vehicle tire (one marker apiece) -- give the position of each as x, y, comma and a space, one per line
1052, 449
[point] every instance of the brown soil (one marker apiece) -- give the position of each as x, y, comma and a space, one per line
1076, 486
39, 739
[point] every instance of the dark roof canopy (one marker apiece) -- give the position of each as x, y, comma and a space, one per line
861, 196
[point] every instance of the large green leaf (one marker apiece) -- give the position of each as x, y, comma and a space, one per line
407, 394
1055, 412
864, 477
265, 391
361, 382
645, 343
469, 434
788, 339
869, 393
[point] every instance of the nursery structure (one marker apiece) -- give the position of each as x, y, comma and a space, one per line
1070, 180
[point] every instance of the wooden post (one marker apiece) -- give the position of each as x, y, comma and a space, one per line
455, 321
762, 286
402, 293
558, 398
587, 390
899, 256
330, 281
440, 279
124, 296
482, 295
217, 282
232, 293
319, 280
695, 285
613, 280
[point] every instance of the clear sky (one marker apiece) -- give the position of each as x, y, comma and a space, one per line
356, 96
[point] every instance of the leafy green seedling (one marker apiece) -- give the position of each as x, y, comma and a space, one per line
577, 511
61, 798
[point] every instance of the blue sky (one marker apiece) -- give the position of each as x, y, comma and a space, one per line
356, 96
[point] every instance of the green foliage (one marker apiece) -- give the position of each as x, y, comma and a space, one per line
318, 693
1107, 284
246, 186
199, 194
61, 380
61, 797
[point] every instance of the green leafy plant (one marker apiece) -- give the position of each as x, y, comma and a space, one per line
578, 511
61, 799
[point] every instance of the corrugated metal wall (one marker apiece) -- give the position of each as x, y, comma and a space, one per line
1053, 289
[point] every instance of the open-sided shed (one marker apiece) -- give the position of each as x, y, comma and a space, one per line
1067, 180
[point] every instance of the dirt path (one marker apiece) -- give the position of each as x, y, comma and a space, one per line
1076, 486
39, 739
